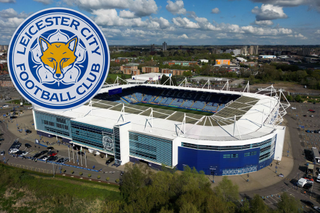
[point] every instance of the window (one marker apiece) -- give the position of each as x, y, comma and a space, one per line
234, 155
226, 156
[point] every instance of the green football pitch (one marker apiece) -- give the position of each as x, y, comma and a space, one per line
174, 109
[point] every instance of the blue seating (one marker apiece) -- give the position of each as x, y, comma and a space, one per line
187, 104
177, 102
198, 104
200, 100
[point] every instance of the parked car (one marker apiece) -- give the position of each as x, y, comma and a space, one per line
61, 160
36, 155
24, 153
52, 158
28, 131
1, 139
27, 145
109, 160
307, 202
2, 153
311, 116
44, 157
43, 152
308, 131
293, 108
13, 151
311, 110
304, 115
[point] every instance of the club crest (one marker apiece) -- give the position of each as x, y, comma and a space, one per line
58, 59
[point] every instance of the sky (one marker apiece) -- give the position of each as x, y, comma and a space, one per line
184, 22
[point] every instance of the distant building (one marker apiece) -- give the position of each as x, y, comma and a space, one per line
216, 51
223, 61
173, 71
153, 48
254, 50
130, 69
203, 60
267, 56
181, 63
244, 50
150, 69
250, 64
164, 46
241, 59
236, 52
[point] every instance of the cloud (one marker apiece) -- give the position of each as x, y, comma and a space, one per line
138, 7
215, 10
268, 12
266, 31
264, 22
109, 17
7, 1
205, 24
8, 13
185, 23
183, 36
298, 35
283, 3
176, 7
126, 14
317, 32
46, 2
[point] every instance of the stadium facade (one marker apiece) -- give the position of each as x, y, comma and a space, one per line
221, 132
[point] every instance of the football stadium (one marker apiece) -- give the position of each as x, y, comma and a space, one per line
221, 132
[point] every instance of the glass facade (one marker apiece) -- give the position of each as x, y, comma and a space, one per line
90, 135
116, 139
54, 124
151, 148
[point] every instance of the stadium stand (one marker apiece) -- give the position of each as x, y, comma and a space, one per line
200, 101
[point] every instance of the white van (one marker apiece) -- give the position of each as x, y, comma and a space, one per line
318, 178
301, 182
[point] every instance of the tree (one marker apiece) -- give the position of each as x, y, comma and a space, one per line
289, 204
257, 205
298, 98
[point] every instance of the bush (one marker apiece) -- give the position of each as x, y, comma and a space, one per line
99, 177
81, 173
107, 178
89, 175
117, 181
72, 172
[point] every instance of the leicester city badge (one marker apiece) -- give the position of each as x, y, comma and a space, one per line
58, 59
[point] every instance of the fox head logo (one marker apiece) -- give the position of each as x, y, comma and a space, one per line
58, 57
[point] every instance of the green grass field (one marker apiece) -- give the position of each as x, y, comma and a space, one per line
174, 109
27, 191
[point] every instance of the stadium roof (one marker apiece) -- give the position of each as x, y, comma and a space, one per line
240, 119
